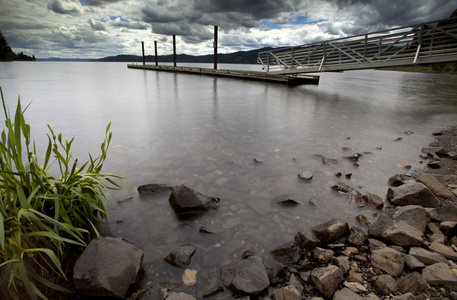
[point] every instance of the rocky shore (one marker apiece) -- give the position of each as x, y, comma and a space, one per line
409, 252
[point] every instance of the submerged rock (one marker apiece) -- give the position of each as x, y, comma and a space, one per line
181, 255
184, 199
152, 189
331, 230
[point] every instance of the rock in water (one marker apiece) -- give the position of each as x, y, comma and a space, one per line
181, 256
184, 199
306, 175
331, 230
152, 189
246, 276
107, 268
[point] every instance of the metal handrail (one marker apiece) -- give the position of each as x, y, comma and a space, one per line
429, 42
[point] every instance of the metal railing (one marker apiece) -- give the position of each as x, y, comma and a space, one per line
431, 42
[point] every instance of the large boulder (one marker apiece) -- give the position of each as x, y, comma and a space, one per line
327, 279
107, 268
412, 283
413, 215
384, 284
403, 234
181, 255
412, 193
426, 257
247, 276
331, 230
184, 199
444, 250
436, 187
389, 260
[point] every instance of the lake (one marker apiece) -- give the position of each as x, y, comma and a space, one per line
207, 133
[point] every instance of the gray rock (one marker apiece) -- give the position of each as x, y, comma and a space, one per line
448, 227
306, 175
331, 230
437, 188
440, 275
355, 287
412, 283
246, 276
413, 215
285, 200
426, 257
412, 193
287, 254
323, 256
398, 179
153, 189
428, 150
287, 293
388, 260
445, 213
384, 284
342, 262
379, 226
413, 263
346, 294
444, 250
296, 283
107, 268
407, 296
184, 199
178, 296
181, 255
327, 279
356, 237
403, 234
305, 241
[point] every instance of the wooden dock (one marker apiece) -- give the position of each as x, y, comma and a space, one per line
241, 74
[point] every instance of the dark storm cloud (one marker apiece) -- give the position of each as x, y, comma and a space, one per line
100, 3
65, 6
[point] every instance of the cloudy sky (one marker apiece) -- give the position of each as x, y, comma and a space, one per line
99, 28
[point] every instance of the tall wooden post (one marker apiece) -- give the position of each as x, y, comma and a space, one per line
155, 50
215, 47
174, 50
142, 47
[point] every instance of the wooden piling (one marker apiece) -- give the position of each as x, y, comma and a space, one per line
142, 47
155, 50
215, 47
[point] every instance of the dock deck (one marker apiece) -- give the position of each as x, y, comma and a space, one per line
242, 74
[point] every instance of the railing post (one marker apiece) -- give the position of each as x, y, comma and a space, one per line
416, 57
268, 61
323, 57
365, 49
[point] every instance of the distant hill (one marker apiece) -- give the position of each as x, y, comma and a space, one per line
241, 57
7, 54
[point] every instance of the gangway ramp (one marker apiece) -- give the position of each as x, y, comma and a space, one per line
425, 43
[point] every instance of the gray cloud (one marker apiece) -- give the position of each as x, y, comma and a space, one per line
100, 3
65, 6
97, 25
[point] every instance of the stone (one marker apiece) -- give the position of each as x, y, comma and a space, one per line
247, 276
181, 255
327, 279
371, 296
384, 284
440, 275
397, 180
426, 257
404, 164
153, 189
388, 260
346, 294
412, 283
362, 220
407, 296
184, 200
373, 200
444, 250
305, 241
331, 230
375, 244
413, 263
437, 188
449, 228
436, 164
403, 234
355, 287
189, 277
296, 283
107, 268
412, 193
355, 277
444, 213
306, 175
287, 293
379, 226
342, 262
287, 254
413, 215
428, 150
213, 288
323, 256
178, 296
285, 200
356, 237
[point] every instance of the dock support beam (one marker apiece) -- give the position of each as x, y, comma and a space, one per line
174, 50
142, 48
215, 47
155, 50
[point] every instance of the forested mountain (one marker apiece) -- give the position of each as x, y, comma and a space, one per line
7, 54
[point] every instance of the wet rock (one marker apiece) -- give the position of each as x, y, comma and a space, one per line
327, 279
346, 294
407, 296
362, 220
412, 283
331, 230
384, 284
246, 276
436, 164
257, 161
437, 188
413, 215
428, 150
426, 257
412, 193
379, 226
296, 283
354, 157
152, 189
323, 256
329, 161
440, 275
287, 293
373, 200
189, 278
413, 263
305, 241
181, 255
177, 296
287, 254
356, 237
404, 164
398, 179
444, 250
388, 260
214, 288
306, 175
285, 200
375, 244
107, 268
184, 199
403, 234
313, 202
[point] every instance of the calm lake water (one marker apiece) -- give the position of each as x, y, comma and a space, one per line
205, 132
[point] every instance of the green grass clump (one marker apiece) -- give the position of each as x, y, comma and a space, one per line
42, 216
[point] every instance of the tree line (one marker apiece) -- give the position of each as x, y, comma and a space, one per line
7, 54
